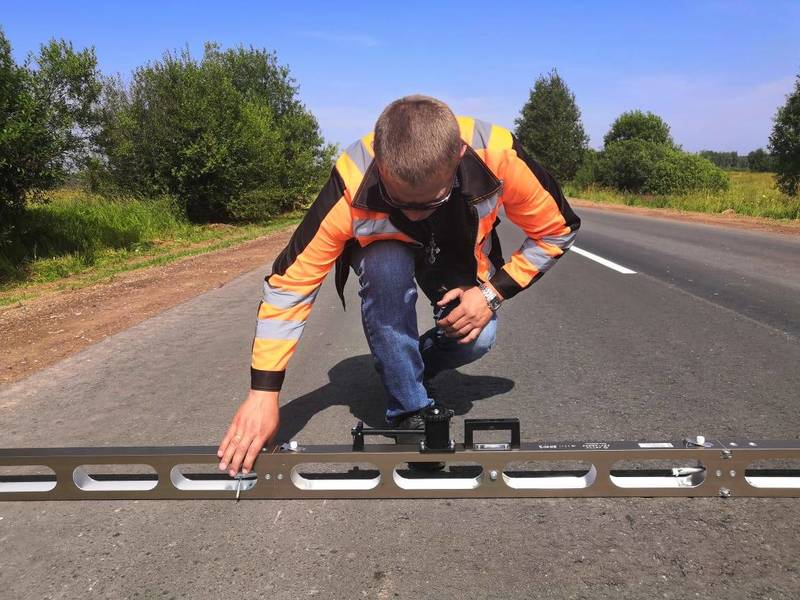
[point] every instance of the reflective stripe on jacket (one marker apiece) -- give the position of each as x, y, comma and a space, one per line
494, 172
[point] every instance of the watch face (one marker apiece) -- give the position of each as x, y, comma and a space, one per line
491, 298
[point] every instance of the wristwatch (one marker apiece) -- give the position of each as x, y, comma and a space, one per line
492, 299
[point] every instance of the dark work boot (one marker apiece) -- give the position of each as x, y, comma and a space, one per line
413, 420
416, 420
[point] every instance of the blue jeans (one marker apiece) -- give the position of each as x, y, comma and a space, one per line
403, 359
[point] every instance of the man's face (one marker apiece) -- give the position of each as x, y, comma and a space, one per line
430, 191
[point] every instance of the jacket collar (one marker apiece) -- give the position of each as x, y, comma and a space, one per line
476, 182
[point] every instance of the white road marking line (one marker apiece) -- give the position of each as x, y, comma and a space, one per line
603, 261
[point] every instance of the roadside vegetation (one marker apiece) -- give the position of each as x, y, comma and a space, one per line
752, 194
75, 238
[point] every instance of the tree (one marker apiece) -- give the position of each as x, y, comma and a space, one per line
226, 135
46, 115
550, 127
759, 160
637, 125
784, 143
16, 132
68, 84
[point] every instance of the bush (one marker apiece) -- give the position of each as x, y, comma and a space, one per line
225, 135
646, 167
682, 173
628, 165
587, 172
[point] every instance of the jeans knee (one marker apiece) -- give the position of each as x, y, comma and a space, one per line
387, 267
486, 339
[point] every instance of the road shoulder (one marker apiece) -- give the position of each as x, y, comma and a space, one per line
40, 332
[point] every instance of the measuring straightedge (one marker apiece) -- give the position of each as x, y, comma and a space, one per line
434, 466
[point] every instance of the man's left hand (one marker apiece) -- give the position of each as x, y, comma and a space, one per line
467, 320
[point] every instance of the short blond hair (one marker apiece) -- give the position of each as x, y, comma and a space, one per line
417, 138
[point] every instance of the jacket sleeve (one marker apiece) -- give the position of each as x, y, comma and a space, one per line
297, 275
534, 202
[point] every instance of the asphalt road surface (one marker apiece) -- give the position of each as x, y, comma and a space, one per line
704, 338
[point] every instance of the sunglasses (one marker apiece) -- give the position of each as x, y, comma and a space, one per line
415, 205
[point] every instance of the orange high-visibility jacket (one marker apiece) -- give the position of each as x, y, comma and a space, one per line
495, 171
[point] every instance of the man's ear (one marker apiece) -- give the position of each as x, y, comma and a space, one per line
463, 151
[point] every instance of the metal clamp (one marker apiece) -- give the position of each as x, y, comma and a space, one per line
241, 476
698, 441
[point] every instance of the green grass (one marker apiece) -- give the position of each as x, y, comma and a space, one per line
78, 239
752, 194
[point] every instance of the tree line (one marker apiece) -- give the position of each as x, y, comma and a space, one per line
639, 154
758, 160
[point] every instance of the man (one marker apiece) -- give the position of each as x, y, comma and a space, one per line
416, 200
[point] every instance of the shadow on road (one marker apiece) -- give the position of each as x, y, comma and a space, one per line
355, 384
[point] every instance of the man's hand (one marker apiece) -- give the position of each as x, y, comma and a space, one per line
254, 424
467, 320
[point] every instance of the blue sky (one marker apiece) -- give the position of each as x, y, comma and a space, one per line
716, 71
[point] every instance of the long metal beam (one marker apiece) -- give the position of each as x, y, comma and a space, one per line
725, 468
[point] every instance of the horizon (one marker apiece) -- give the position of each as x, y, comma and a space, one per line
707, 68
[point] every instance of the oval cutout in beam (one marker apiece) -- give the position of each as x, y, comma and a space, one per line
454, 476
114, 478
550, 475
335, 476
775, 474
204, 477
657, 474
26, 478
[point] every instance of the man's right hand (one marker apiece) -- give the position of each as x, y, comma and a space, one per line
255, 423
